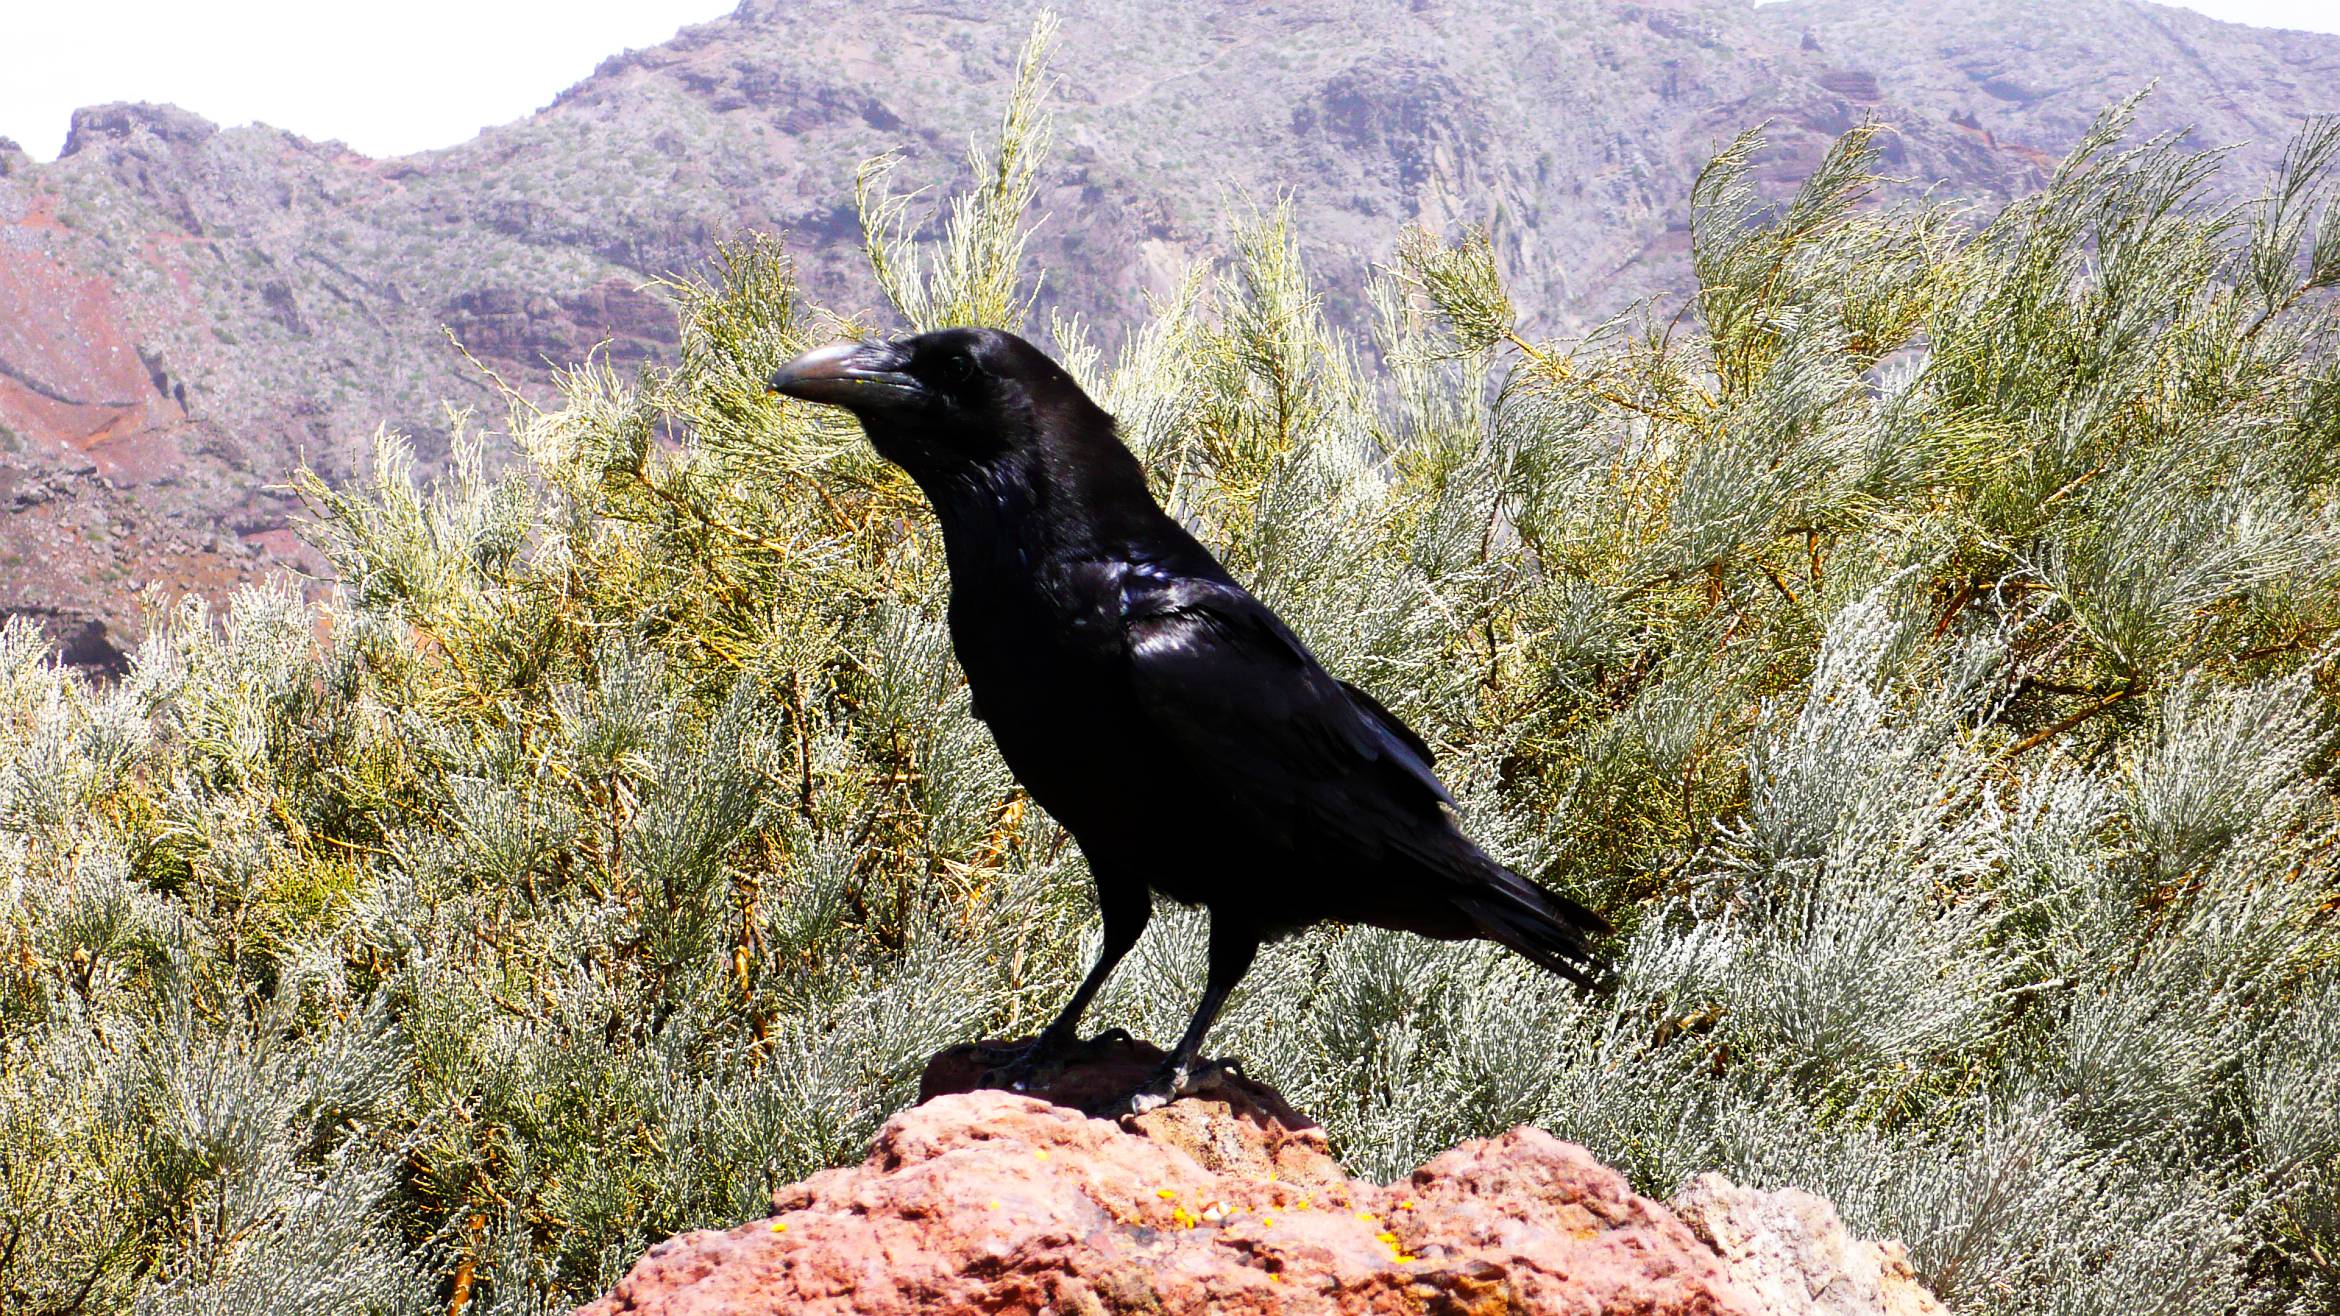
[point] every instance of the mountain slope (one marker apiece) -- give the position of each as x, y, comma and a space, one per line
187, 312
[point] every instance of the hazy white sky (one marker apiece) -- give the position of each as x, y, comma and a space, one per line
392, 76
2311, 15
386, 76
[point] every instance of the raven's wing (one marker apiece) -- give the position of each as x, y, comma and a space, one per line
1316, 764
1236, 692
1389, 722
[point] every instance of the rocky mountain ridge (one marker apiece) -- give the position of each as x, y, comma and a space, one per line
187, 312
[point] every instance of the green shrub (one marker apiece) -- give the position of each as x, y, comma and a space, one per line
1921, 647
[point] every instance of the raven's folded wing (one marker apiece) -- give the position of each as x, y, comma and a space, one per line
1302, 755
1319, 765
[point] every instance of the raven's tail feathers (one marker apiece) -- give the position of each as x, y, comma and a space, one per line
1550, 930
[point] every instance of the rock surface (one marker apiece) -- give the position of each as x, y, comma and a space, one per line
1790, 1253
1230, 1202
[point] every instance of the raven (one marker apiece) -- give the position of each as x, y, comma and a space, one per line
1176, 727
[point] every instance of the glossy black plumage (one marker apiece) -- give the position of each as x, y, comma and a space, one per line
1187, 739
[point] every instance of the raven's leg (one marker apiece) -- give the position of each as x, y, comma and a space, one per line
1233, 944
1125, 907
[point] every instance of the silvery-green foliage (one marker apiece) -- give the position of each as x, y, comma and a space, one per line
975, 275
1920, 648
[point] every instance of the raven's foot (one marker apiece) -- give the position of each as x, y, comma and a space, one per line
1021, 1068
1166, 1085
1017, 1068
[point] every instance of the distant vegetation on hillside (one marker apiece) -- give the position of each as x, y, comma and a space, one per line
188, 311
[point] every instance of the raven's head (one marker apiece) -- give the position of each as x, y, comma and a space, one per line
949, 402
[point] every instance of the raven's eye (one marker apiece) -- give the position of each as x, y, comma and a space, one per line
955, 369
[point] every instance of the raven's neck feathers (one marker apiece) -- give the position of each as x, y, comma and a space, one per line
1076, 494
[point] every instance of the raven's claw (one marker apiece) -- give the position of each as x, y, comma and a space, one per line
994, 1055
1017, 1068
1166, 1085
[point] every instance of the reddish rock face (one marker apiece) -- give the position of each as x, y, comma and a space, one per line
70, 368
1224, 1203
521, 332
1231, 1125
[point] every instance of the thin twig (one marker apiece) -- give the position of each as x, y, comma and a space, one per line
1559, 369
2065, 723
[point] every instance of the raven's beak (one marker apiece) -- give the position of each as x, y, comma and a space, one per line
850, 375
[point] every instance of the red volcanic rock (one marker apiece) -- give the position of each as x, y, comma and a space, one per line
1223, 1203
1229, 1125
69, 362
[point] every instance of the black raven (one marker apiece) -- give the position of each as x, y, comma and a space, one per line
1174, 725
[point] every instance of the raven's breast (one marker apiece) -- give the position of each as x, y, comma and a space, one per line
1065, 719
1070, 737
